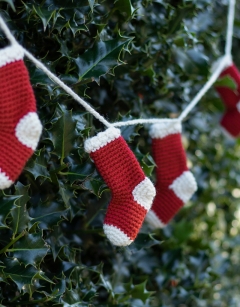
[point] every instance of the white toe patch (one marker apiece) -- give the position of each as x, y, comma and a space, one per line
28, 130
153, 220
116, 236
184, 186
144, 193
5, 182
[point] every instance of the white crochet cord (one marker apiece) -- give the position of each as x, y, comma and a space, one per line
67, 89
225, 60
230, 25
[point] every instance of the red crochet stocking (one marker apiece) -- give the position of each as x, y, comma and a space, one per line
230, 121
132, 192
20, 127
230, 97
175, 183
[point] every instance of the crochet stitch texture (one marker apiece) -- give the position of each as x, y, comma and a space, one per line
230, 121
175, 183
20, 127
132, 192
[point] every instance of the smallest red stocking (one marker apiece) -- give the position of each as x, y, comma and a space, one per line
132, 192
230, 121
175, 184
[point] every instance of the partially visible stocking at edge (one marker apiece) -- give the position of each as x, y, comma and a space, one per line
230, 121
175, 184
20, 127
132, 192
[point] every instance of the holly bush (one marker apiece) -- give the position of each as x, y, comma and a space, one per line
128, 59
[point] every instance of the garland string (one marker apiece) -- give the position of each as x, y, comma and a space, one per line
225, 60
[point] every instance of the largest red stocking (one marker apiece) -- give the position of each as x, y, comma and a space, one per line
132, 192
175, 183
20, 127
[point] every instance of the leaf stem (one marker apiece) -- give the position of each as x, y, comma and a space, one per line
3, 250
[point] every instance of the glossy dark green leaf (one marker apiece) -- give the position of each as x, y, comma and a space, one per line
37, 166
45, 15
30, 249
140, 292
191, 61
66, 194
11, 3
56, 240
20, 214
95, 185
124, 6
20, 274
73, 299
47, 214
226, 81
7, 203
80, 172
176, 20
144, 240
64, 134
100, 59
91, 3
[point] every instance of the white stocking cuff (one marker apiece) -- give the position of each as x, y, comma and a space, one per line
11, 54
101, 139
159, 131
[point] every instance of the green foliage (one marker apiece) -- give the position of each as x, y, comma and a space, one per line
129, 59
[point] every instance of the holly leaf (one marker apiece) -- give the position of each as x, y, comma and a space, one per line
37, 165
124, 6
72, 298
80, 172
30, 249
140, 292
7, 203
95, 185
91, 4
192, 61
63, 134
143, 241
10, 2
226, 81
47, 214
20, 274
98, 60
56, 241
20, 213
66, 194
44, 14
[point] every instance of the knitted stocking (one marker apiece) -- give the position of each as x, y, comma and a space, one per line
230, 121
132, 192
20, 127
175, 183
230, 97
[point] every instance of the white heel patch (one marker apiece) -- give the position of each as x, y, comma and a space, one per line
184, 186
28, 130
144, 193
